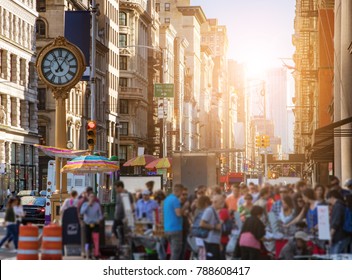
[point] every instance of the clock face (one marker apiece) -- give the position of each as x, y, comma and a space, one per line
59, 66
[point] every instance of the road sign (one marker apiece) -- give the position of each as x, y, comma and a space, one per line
164, 90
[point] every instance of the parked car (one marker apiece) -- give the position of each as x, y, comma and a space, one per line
34, 208
42, 193
27, 193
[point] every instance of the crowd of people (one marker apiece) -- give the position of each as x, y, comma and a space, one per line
251, 222
210, 223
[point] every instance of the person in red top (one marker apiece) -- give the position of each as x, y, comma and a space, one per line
224, 215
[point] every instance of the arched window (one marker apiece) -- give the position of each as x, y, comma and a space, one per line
122, 19
40, 28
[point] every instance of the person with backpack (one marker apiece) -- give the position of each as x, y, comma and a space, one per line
228, 225
340, 238
211, 221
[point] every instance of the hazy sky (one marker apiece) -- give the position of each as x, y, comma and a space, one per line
258, 30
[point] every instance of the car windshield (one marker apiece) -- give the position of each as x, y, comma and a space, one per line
32, 200
21, 193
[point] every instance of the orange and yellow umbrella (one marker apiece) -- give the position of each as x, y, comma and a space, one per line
140, 160
160, 163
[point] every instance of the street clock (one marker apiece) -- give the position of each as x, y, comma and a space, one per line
60, 65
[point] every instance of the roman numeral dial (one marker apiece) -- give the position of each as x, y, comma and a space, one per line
59, 66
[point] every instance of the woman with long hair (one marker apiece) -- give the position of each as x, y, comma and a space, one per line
309, 211
253, 232
319, 191
10, 221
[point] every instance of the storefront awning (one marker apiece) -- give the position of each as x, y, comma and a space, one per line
323, 145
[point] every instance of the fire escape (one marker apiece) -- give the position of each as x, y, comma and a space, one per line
305, 40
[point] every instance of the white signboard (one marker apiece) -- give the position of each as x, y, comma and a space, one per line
323, 223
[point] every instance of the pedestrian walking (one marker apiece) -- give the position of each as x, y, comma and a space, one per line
10, 222
92, 216
118, 228
211, 221
173, 221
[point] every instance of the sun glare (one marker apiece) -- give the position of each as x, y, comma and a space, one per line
258, 61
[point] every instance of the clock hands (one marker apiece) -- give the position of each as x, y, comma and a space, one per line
64, 60
59, 66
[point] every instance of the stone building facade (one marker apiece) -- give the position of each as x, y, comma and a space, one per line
18, 97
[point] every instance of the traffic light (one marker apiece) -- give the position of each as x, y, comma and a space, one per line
257, 141
91, 134
266, 141
262, 141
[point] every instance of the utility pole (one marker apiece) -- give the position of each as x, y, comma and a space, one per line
164, 68
92, 76
265, 133
92, 63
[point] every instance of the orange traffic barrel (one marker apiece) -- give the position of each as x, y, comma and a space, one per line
28, 243
52, 242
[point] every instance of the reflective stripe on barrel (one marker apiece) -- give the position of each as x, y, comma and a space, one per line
52, 242
28, 243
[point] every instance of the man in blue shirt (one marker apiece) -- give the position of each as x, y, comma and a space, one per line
145, 207
173, 221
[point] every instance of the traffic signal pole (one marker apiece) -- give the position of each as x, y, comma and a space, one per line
265, 132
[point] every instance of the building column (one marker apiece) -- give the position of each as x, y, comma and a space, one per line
346, 99
337, 79
24, 116
7, 105
15, 112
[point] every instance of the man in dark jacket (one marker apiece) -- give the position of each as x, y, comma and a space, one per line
339, 238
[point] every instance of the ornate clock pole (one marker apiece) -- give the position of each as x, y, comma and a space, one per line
60, 66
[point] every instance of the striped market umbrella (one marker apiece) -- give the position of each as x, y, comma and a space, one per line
89, 164
140, 160
160, 163
61, 153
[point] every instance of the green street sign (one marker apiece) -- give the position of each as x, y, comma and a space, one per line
164, 90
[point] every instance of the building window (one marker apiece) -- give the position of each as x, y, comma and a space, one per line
167, 20
40, 28
124, 128
123, 19
167, 7
42, 134
13, 71
1, 62
123, 153
123, 82
157, 7
41, 98
123, 62
122, 40
41, 6
22, 71
123, 106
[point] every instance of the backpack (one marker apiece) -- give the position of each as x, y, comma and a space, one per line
347, 223
196, 230
227, 226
